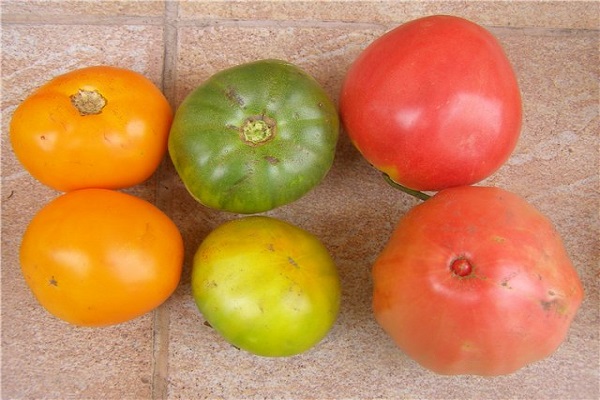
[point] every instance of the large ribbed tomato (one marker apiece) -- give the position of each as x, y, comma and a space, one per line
95, 127
96, 257
475, 281
433, 103
254, 137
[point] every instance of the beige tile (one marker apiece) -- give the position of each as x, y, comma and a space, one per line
335, 367
196, 348
41, 356
52, 8
33, 54
555, 166
557, 76
549, 14
322, 52
557, 73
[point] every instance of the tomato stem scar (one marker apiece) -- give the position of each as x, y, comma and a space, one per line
257, 130
88, 102
461, 267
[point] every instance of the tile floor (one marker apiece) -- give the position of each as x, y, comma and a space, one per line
170, 353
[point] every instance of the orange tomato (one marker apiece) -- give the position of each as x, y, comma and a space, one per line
95, 127
96, 257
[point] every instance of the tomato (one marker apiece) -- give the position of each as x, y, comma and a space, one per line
267, 286
95, 127
254, 137
96, 257
475, 281
434, 103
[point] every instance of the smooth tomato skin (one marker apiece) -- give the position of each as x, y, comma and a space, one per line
118, 147
97, 257
225, 169
434, 103
267, 286
512, 309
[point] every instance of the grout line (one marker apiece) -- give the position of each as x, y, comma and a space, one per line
161, 326
28, 19
170, 51
539, 31
160, 350
282, 23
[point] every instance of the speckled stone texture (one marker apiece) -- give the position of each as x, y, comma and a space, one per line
170, 353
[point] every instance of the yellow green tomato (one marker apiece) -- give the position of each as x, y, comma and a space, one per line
266, 286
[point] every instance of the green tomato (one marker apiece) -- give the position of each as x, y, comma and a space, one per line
266, 286
254, 137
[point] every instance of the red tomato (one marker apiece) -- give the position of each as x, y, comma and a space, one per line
433, 103
475, 281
